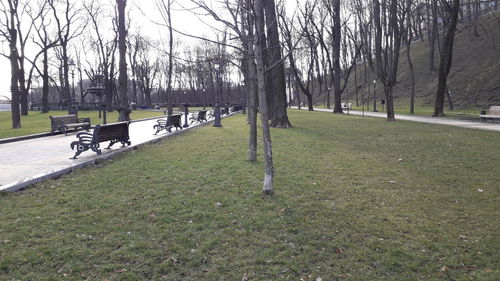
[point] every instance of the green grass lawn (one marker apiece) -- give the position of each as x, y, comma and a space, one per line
37, 122
354, 200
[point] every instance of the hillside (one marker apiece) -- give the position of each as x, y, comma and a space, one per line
475, 75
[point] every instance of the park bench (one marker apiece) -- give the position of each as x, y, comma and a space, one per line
114, 133
171, 122
346, 105
63, 123
493, 113
225, 111
237, 108
198, 117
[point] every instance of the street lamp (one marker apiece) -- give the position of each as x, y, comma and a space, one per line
71, 110
328, 98
204, 100
217, 116
375, 96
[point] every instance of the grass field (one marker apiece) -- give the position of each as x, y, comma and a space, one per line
354, 200
37, 122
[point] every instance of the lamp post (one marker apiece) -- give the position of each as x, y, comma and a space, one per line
217, 122
217, 114
186, 112
328, 98
71, 110
375, 96
204, 100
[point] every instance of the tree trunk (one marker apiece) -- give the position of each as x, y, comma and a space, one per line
14, 88
123, 107
279, 118
446, 58
23, 97
250, 75
45, 91
14, 69
65, 72
408, 55
387, 65
252, 105
389, 96
450, 101
476, 10
337, 71
432, 32
356, 85
266, 133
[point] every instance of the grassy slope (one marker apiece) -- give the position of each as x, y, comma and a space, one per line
37, 122
474, 79
345, 208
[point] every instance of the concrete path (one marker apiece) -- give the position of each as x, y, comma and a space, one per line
488, 126
30, 161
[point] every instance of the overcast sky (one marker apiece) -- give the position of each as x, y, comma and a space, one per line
144, 14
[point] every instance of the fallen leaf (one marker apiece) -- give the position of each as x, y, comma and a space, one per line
245, 277
480, 190
444, 268
121, 270
344, 275
319, 279
218, 204
339, 251
470, 268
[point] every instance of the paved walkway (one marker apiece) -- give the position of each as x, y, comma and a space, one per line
488, 126
26, 162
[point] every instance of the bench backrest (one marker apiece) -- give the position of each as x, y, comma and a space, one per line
494, 110
174, 119
202, 114
66, 119
112, 131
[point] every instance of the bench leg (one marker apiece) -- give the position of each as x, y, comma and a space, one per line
96, 149
111, 143
79, 148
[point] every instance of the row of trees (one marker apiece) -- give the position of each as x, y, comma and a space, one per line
341, 39
52, 44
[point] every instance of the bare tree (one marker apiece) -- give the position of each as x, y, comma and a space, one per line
66, 31
387, 55
165, 8
9, 32
408, 41
123, 106
446, 54
146, 68
45, 43
104, 48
